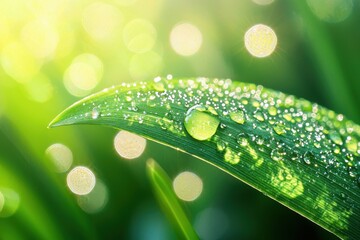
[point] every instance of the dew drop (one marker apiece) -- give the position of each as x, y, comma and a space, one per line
259, 116
259, 140
220, 145
352, 172
95, 113
279, 128
351, 144
288, 117
335, 137
308, 156
278, 154
272, 110
238, 116
242, 139
309, 128
231, 157
200, 124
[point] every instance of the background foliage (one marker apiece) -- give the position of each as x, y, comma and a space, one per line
43, 44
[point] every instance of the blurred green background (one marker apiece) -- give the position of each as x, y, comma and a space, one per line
55, 52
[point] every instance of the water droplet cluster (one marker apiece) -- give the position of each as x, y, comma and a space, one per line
243, 122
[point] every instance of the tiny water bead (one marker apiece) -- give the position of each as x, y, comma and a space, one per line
201, 124
278, 154
95, 113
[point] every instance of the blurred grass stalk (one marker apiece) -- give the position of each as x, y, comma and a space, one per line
162, 187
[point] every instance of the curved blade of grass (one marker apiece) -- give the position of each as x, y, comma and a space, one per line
162, 186
296, 152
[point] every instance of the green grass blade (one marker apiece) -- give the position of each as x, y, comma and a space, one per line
162, 186
296, 152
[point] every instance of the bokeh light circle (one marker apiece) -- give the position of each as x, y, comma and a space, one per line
260, 40
101, 20
332, 11
129, 145
139, 36
186, 39
61, 156
9, 202
96, 200
81, 180
187, 186
83, 74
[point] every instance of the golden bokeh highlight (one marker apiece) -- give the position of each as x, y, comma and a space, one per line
83, 74
139, 36
61, 157
40, 38
101, 20
129, 145
188, 186
81, 180
18, 62
260, 40
186, 39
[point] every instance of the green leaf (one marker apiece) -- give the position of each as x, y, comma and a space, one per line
296, 152
162, 186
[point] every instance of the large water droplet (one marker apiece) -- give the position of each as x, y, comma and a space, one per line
95, 113
238, 116
200, 124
